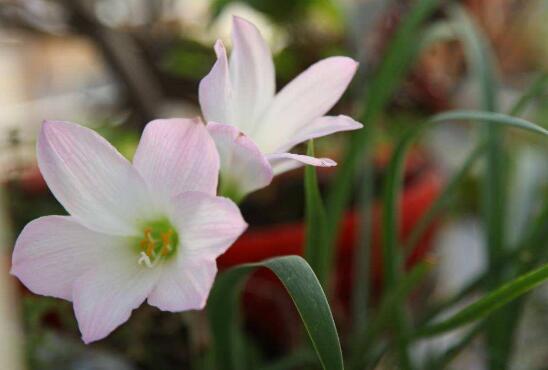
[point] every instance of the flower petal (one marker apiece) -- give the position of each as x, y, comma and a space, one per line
177, 155
243, 167
283, 162
309, 96
320, 127
207, 225
184, 285
215, 91
52, 252
251, 73
105, 296
91, 179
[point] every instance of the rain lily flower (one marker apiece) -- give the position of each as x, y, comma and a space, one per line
253, 127
148, 230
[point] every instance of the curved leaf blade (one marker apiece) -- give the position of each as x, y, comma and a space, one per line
481, 116
305, 291
491, 302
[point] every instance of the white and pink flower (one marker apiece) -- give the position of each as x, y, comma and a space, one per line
150, 230
253, 127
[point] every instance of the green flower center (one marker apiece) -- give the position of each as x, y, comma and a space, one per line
160, 241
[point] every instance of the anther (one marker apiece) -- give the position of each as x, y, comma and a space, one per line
150, 249
166, 246
166, 237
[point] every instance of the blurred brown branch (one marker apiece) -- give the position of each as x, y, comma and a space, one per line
122, 55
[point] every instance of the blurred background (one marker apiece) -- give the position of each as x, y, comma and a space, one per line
114, 65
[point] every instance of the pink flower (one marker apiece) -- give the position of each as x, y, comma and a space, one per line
148, 230
253, 127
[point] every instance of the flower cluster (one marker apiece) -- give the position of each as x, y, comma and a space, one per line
152, 229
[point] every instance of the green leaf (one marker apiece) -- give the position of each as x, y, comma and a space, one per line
452, 352
305, 291
489, 303
317, 252
482, 63
532, 248
535, 89
530, 253
395, 170
390, 216
391, 254
480, 116
361, 286
479, 55
442, 200
531, 244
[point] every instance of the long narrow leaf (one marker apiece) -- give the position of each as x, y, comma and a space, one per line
481, 62
451, 301
494, 193
490, 303
463, 115
391, 256
451, 353
536, 232
390, 216
535, 89
533, 244
480, 116
305, 291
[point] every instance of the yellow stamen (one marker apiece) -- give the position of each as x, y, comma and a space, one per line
166, 246
150, 249
143, 244
166, 237
158, 242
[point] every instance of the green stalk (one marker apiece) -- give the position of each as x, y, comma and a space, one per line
317, 251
